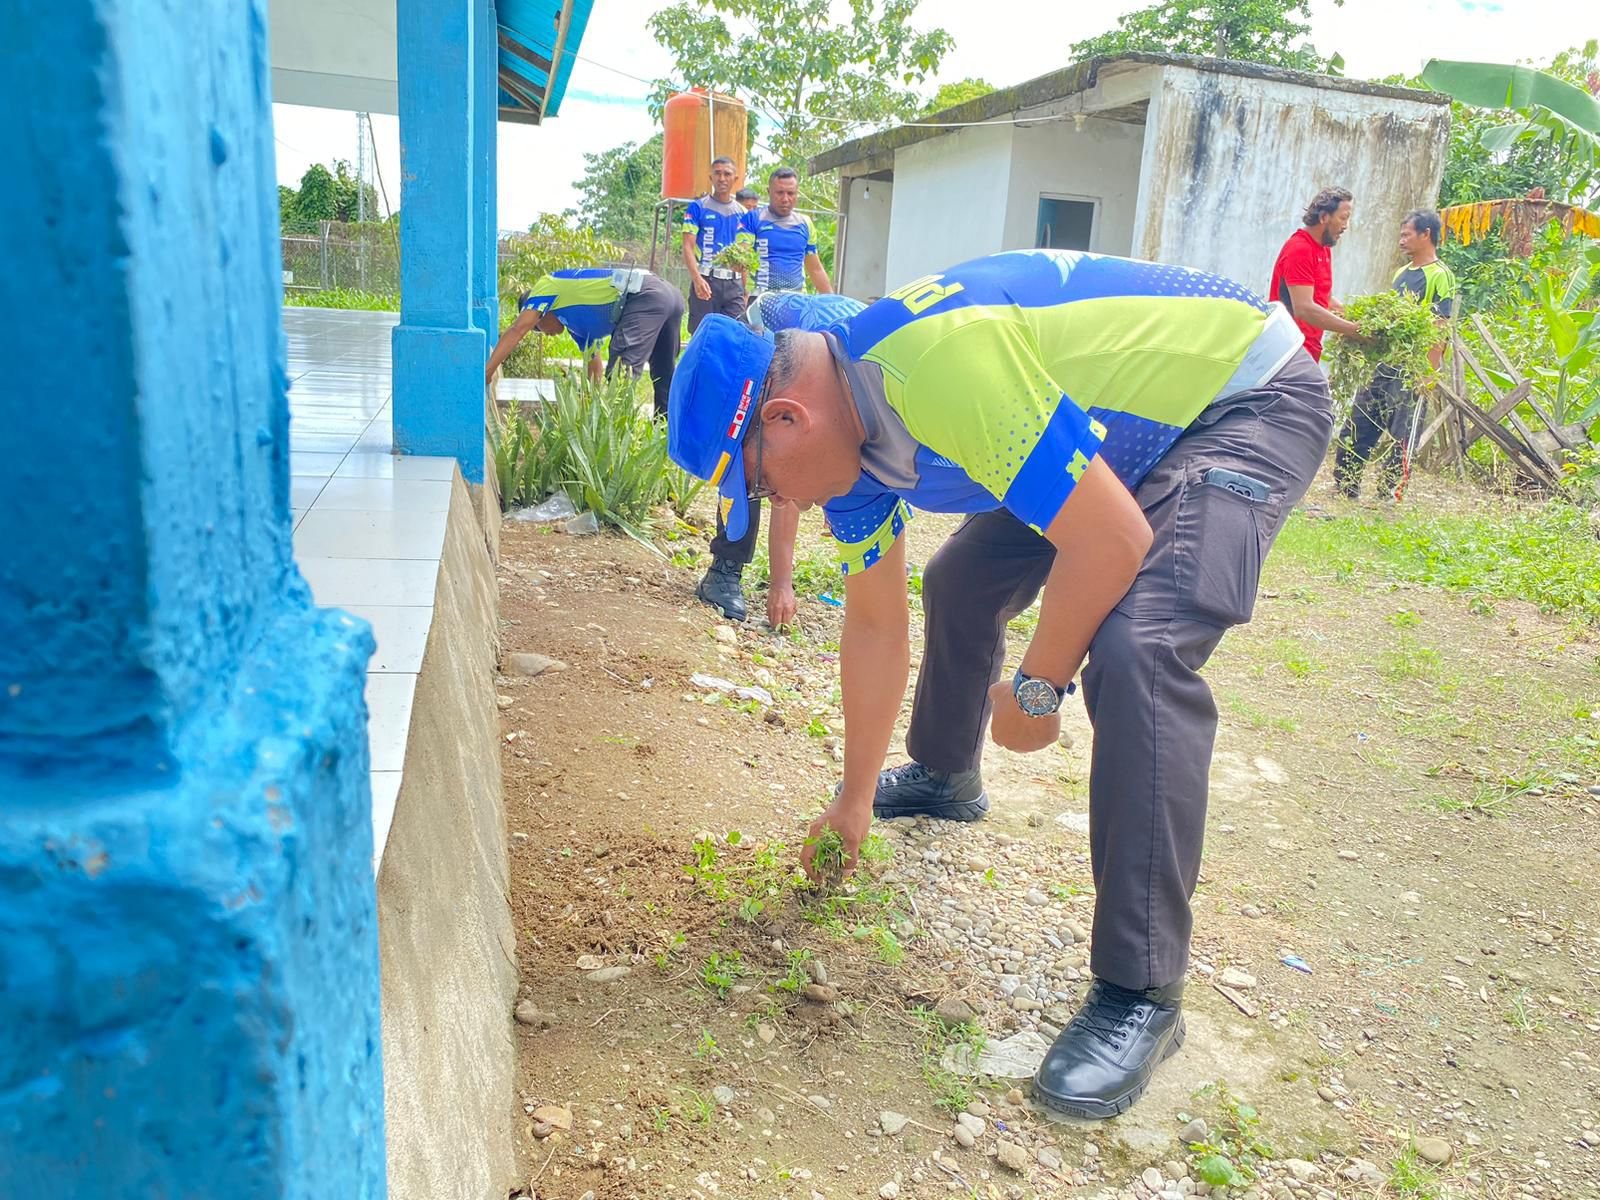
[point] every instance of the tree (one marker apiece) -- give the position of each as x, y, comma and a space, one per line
820, 83
1263, 31
619, 190
951, 94
316, 201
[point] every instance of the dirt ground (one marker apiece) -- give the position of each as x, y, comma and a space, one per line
1403, 803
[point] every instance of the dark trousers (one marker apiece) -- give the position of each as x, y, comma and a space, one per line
744, 549
1154, 719
649, 331
1383, 406
727, 298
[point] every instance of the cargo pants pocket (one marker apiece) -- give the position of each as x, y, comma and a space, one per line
1222, 540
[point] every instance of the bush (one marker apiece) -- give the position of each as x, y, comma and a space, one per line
599, 445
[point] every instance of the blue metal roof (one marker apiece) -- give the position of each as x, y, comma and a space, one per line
538, 41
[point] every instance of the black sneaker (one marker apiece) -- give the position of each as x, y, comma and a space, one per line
722, 588
912, 790
1103, 1060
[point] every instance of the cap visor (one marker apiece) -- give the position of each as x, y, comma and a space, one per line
733, 490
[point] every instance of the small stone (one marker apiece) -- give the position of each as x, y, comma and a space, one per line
766, 1116
1327, 1094
978, 1108
527, 1013
1035, 820
1235, 978
821, 1102
1195, 1131
892, 1122
1302, 1170
1591, 1137
1090, 1150
815, 971
543, 1129
1544, 937
889, 1190
953, 1010
529, 665
723, 1095
725, 634
557, 1116
964, 1137
608, 974
766, 1033
1433, 1150
1049, 1159
1015, 1097
503, 702
590, 962
1151, 1178
1014, 1156
1410, 897
820, 993
972, 1123
1349, 856
1251, 911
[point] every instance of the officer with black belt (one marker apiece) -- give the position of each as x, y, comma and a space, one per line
710, 225
638, 311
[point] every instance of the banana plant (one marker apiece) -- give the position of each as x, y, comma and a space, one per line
1575, 337
1552, 110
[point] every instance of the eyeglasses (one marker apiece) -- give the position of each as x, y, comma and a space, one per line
757, 489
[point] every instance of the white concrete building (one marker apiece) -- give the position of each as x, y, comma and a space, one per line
1186, 160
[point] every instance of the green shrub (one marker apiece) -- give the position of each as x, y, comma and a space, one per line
1402, 329
597, 443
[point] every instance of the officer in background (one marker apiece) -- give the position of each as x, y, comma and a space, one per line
786, 244
640, 312
710, 225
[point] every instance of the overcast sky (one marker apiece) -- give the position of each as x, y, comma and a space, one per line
604, 107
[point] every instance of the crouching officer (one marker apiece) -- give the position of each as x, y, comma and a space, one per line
1127, 437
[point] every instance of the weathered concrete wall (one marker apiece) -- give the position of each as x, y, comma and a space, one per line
1099, 162
866, 259
445, 934
949, 201
1231, 161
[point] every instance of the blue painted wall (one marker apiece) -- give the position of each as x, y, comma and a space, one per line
188, 936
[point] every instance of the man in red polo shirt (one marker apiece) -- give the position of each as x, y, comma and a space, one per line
1302, 278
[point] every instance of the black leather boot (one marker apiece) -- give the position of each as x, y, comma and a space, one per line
912, 789
1103, 1060
723, 589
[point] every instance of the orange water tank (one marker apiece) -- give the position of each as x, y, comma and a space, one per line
698, 126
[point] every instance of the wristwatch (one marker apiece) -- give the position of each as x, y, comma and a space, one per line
1038, 697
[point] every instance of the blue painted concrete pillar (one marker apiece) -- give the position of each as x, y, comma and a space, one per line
188, 930
439, 351
485, 116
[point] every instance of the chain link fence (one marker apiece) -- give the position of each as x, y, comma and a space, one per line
344, 254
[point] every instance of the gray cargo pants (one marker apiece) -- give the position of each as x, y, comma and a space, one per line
1154, 719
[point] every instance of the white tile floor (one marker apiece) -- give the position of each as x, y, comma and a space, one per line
368, 527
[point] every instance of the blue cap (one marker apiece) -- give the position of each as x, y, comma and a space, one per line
714, 390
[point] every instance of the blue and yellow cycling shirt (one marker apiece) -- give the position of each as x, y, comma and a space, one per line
587, 300
715, 225
962, 382
782, 244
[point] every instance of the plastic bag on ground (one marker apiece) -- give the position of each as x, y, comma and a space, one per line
558, 507
584, 522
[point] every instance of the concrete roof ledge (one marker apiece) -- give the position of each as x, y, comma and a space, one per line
1081, 77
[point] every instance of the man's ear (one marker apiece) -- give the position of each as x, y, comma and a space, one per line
782, 410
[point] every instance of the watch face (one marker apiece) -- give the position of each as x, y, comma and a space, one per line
1037, 698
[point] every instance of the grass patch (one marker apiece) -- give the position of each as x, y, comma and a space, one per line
1412, 1178
344, 297
952, 1090
1547, 556
1258, 719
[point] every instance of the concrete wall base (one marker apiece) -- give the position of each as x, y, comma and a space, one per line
445, 935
